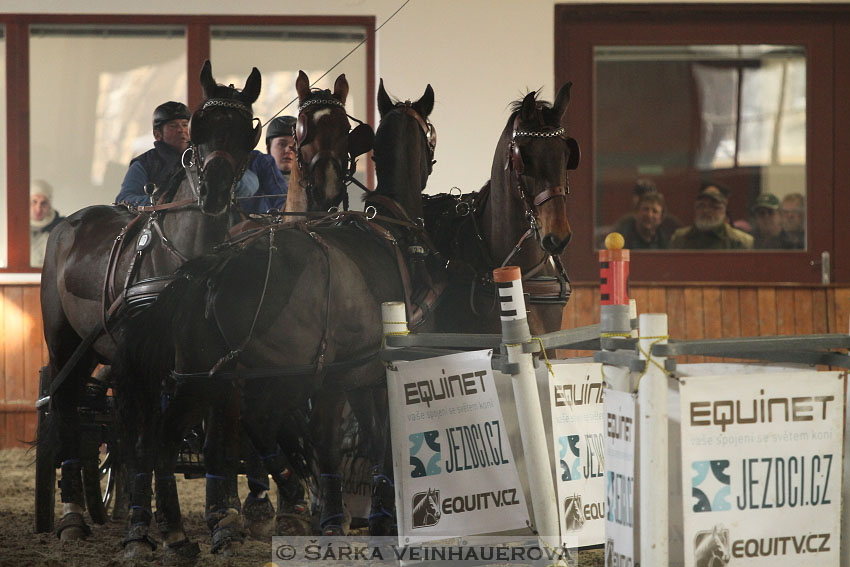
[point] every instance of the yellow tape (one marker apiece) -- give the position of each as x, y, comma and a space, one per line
655, 341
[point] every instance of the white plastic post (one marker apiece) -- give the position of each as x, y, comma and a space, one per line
652, 399
394, 318
633, 316
845, 517
515, 333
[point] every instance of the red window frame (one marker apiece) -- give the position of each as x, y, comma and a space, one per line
822, 29
17, 37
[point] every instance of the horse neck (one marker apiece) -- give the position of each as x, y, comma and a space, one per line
405, 189
504, 222
403, 180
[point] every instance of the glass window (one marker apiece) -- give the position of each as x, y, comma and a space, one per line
676, 119
93, 89
279, 52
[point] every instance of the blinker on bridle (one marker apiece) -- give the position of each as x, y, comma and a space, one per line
201, 164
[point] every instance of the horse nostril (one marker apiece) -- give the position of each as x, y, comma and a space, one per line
555, 245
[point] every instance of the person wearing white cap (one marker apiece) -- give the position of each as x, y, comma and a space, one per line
43, 218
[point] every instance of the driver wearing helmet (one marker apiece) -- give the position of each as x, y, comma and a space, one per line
273, 168
163, 162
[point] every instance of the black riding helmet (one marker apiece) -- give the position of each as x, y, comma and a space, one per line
170, 111
280, 126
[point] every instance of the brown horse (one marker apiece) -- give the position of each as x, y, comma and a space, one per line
291, 315
104, 260
326, 148
519, 218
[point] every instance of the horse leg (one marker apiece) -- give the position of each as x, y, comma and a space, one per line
257, 507
138, 545
370, 406
326, 421
65, 427
178, 547
221, 455
262, 421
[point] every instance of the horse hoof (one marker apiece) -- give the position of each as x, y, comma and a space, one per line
138, 551
138, 545
228, 535
294, 524
183, 552
72, 527
333, 530
382, 526
259, 517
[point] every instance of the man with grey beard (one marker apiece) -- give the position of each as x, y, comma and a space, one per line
710, 230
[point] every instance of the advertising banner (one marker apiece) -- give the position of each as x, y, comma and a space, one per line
761, 468
454, 470
620, 511
578, 426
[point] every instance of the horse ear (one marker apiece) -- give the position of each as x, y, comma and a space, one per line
527, 112
425, 104
562, 101
341, 88
208, 84
251, 90
302, 86
385, 103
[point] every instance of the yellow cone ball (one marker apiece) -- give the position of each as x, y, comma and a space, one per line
614, 241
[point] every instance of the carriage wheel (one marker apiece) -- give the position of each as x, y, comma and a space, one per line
45, 469
98, 449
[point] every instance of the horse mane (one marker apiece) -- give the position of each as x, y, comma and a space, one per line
544, 106
516, 105
322, 94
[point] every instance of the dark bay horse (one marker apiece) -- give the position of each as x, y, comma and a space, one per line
326, 147
290, 315
104, 260
519, 218
326, 150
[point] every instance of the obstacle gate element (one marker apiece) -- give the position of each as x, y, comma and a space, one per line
641, 368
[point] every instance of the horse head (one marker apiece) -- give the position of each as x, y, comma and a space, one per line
536, 155
222, 133
404, 149
325, 143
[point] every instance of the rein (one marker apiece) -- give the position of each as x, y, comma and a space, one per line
418, 309
195, 177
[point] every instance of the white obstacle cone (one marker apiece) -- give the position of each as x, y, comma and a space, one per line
652, 400
515, 333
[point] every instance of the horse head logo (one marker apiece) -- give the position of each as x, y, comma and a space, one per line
573, 518
426, 508
712, 548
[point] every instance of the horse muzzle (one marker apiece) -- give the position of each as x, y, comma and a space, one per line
552, 215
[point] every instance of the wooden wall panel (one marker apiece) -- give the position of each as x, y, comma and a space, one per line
694, 311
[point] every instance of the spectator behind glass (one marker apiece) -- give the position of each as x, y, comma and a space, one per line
158, 165
710, 230
669, 223
643, 230
273, 168
766, 222
43, 218
792, 214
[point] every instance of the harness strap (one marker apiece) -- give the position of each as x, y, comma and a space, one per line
165, 206
291, 370
112, 265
